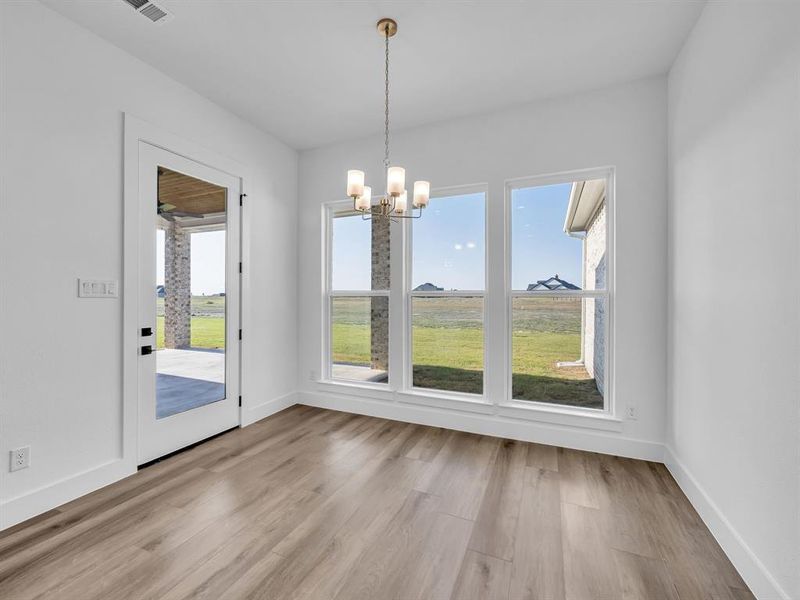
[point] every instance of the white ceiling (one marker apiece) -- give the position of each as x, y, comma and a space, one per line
311, 73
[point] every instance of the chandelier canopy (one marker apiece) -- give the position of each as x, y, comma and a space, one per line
394, 203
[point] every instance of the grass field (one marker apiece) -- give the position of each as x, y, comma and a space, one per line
447, 346
208, 322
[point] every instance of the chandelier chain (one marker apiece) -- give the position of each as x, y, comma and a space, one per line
386, 105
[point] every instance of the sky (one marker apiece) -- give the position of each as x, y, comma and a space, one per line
208, 262
449, 244
539, 246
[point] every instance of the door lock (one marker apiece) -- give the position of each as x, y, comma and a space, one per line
147, 331
146, 350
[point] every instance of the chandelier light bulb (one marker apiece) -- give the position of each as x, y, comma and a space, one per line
422, 193
401, 203
355, 183
364, 201
395, 180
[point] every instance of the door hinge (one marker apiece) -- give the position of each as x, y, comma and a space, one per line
241, 199
240, 266
240, 334
240, 400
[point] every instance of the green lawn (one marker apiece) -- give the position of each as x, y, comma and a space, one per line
447, 346
208, 322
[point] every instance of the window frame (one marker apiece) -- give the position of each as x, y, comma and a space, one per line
328, 214
408, 386
508, 402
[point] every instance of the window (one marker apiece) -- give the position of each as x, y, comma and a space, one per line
446, 301
358, 297
559, 295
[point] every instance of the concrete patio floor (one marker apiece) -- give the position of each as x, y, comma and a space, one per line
187, 379
358, 373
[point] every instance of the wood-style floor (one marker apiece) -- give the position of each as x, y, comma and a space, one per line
323, 505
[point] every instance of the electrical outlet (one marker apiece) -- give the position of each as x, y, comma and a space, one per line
20, 458
631, 413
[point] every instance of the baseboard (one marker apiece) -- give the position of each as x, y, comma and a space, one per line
755, 574
19, 509
493, 425
255, 413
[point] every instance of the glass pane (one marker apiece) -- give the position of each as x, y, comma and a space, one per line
558, 236
359, 253
360, 339
190, 293
447, 344
558, 350
448, 244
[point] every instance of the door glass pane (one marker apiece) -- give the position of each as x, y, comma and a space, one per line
191, 220
558, 350
360, 338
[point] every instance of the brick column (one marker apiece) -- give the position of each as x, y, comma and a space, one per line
177, 285
381, 278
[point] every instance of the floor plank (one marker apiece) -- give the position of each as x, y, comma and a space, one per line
482, 577
316, 504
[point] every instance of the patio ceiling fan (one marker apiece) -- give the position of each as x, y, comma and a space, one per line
167, 211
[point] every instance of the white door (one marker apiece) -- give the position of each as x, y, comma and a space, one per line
189, 227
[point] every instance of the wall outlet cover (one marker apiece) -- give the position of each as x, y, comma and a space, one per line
20, 458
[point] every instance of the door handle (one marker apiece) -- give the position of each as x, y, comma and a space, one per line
146, 350
146, 331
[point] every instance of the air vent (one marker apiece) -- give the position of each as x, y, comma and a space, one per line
152, 11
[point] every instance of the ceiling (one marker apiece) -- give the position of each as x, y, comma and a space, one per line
188, 194
311, 72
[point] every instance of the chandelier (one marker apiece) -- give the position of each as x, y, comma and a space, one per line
394, 203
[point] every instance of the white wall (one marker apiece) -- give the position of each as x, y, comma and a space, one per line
624, 127
64, 91
733, 431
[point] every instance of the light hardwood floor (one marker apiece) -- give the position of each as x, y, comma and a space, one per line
319, 505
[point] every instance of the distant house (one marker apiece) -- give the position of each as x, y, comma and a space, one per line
554, 283
160, 291
427, 287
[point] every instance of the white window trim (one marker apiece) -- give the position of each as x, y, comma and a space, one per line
399, 388
509, 406
328, 211
421, 395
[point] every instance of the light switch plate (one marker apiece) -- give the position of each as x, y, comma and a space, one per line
98, 288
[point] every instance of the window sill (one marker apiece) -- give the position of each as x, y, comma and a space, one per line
433, 399
561, 415
358, 388
518, 410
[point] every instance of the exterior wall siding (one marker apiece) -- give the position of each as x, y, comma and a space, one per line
594, 278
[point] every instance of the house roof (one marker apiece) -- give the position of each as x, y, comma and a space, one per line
427, 287
585, 199
554, 283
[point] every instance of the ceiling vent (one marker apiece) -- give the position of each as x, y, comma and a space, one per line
152, 11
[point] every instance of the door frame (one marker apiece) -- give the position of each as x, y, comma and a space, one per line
135, 132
